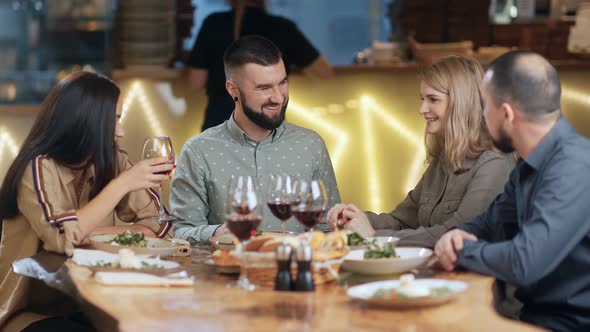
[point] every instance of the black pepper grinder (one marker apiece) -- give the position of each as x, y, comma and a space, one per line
283, 281
304, 281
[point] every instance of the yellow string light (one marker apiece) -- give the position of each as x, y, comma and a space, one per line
136, 92
371, 155
577, 96
398, 127
341, 136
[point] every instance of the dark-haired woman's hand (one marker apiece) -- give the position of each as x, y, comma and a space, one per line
148, 173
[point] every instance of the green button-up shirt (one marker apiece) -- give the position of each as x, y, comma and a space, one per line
208, 160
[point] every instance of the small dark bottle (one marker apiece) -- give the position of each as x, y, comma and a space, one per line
283, 281
304, 281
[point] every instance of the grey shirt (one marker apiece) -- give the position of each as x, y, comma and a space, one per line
442, 200
208, 160
536, 234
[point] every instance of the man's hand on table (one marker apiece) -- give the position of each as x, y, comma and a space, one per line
221, 230
449, 245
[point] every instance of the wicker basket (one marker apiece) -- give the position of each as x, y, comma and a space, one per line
261, 268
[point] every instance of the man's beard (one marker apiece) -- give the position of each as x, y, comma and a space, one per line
504, 142
262, 120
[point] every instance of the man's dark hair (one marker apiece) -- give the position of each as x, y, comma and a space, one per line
526, 80
250, 49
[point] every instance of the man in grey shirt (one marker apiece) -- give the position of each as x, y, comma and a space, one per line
254, 141
536, 234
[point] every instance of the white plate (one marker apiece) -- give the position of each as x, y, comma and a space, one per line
380, 239
155, 246
365, 292
91, 258
409, 258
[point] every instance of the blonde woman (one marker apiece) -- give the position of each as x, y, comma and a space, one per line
464, 172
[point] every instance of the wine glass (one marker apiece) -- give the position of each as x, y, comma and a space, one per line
280, 198
310, 202
243, 215
155, 147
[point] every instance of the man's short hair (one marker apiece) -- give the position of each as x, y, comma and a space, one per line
527, 80
250, 49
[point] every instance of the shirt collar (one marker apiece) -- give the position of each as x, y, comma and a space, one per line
238, 134
543, 150
69, 174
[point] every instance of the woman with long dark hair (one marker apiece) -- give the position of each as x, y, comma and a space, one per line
67, 181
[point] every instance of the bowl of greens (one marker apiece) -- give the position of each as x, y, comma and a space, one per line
379, 259
357, 241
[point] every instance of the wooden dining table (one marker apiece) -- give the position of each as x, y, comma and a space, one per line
211, 306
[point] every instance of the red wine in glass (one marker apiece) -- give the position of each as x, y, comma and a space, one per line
243, 226
166, 172
281, 209
154, 147
309, 217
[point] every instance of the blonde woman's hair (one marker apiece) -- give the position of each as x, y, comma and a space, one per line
466, 134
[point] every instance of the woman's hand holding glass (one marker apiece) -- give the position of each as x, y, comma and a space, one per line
160, 147
149, 173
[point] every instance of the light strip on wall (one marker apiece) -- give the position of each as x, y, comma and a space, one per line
393, 122
371, 155
341, 136
7, 143
576, 96
398, 127
137, 92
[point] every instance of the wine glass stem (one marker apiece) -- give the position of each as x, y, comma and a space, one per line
283, 227
243, 281
162, 215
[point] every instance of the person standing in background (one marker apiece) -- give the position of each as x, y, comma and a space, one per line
247, 17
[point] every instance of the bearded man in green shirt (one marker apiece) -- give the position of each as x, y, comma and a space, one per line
254, 141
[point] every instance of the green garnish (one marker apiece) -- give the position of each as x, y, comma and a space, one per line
258, 232
392, 293
388, 293
440, 291
117, 265
355, 239
376, 251
103, 264
148, 266
130, 239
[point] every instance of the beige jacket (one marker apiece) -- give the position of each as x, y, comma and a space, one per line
442, 200
48, 200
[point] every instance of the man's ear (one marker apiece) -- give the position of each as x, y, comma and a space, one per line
231, 88
508, 112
